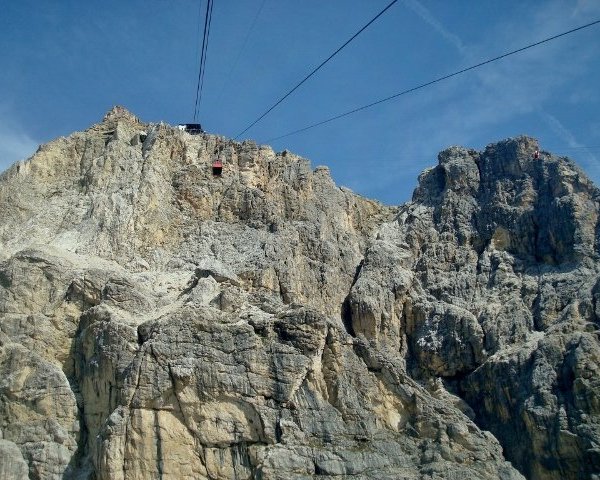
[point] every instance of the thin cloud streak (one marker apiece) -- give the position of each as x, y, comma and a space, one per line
502, 98
585, 7
494, 91
589, 159
425, 15
558, 128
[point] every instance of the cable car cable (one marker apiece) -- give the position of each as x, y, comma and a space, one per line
205, 51
315, 70
202, 57
423, 85
197, 51
591, 147
201, 66
198, 22
207, 23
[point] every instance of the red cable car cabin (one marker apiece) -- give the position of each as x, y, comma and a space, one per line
217, 168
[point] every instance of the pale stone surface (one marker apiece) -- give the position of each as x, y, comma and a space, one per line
12, 463
158, 322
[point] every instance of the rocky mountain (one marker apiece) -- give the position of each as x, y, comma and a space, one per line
159, 322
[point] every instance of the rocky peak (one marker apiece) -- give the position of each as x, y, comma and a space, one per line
119, 112
144, 196
491, 270
542, 208
158, 321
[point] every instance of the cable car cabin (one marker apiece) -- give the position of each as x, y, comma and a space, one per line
217, 168
191, 128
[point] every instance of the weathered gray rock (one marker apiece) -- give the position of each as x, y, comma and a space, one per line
158, 322
498, 260
12, 463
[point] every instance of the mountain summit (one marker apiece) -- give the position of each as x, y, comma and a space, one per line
158, 321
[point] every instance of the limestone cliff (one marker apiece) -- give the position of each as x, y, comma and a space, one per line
159, 322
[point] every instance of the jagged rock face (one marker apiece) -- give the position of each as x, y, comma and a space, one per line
159, 322
488, 280
156, 205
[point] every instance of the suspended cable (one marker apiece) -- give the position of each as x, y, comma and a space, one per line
201, 66
423, 85
239, 54
315, 70
594, 147
207, 22
207, 19
205, 51
198, 22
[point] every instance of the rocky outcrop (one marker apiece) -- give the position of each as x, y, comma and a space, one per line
159, 322
487, 283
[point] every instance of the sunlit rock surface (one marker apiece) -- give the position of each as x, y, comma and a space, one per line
159, 322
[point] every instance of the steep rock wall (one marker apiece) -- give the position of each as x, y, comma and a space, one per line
158, 322
487, 283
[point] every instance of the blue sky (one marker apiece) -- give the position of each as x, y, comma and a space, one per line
66, 62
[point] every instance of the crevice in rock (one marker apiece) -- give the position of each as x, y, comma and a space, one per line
159, 449
283, 292
80, 460
318, 470
346, 308
4, 279
347, 316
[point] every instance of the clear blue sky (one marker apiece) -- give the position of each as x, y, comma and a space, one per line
66, 62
